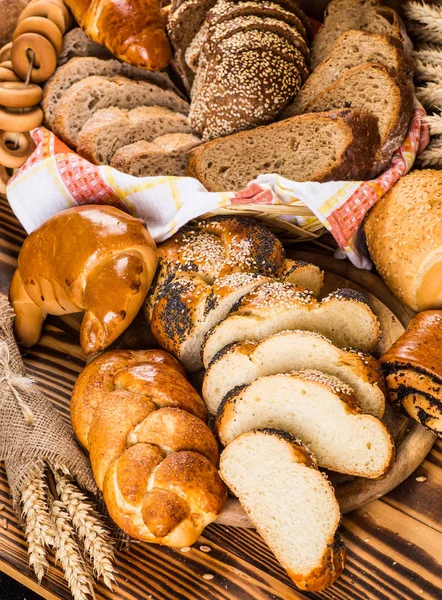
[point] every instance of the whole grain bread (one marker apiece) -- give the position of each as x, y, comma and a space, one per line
76, 43
111, 128
374, 88
338, 145
81, 67
87, 96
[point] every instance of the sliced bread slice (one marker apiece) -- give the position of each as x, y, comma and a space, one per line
166, 155
77, 43
318, 409
344, 317
292, 504
86, 97
372, 87
338, 145
82, 67
351, 49
112, 128
303, 274
241, 363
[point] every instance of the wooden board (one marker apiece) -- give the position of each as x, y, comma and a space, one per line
393, 544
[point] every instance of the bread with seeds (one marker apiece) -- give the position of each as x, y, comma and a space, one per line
320, 410
240, 363
339, 145
292, 504
344, 317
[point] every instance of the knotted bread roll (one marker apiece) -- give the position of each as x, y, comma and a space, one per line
95, 259
151, 452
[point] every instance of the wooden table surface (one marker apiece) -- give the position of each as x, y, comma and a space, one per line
394, 544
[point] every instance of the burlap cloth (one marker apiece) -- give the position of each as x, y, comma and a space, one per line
31, 431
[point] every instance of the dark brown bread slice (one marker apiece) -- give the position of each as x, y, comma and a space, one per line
351, 49
339, 145
76, 43
371, 87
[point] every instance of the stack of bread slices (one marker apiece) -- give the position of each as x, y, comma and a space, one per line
115, 114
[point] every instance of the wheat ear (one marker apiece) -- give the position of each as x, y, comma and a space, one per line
432, 155
434, 123
430, 94
429, 54
39, 528
425, 21
68, 553
428, 72
95, 538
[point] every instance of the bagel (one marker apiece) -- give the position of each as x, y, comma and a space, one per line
42, 26
57, 13
5, 52
25, 120
45, 58
11, 157
16, 94
8, 75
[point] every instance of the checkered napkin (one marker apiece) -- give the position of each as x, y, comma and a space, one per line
54, 178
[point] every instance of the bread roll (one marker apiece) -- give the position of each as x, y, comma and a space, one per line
404, 237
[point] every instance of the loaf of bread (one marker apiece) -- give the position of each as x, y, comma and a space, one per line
203, 270
291, 504
240, 363
413, 370
10, 11
95, 259
77, 44
337, 145
133, 31
152, 455
320, 410
344, 317
404, 237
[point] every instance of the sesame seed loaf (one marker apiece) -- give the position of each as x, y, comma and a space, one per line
112, 128
241, 363
91, 94
77, 43
344, 317
339, 145
367, 15
378, 90
351, 49
82, 67
292, 504
166, 155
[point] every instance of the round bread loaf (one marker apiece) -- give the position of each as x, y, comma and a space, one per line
404, 237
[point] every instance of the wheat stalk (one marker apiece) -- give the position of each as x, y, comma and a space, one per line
432, 155
429, 54
87, 524
430, 94
39, 528
68, 553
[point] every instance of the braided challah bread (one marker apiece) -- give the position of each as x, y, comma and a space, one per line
204, 269
152, 454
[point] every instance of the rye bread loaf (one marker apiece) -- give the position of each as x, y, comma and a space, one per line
81, 67
351, 49
318, 409
241, 363
166, 155
292, 504
76, 43
84, 98
344, 317
367, 15
376, 89
339, 145
112, 128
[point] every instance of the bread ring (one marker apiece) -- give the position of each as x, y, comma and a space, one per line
42, 26
4, 178
7, 64
25, 120
16, 94
5, 52
8, 75
14, 158
56, 13
45, 61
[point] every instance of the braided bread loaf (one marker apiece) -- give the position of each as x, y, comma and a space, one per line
152, 454
204, 269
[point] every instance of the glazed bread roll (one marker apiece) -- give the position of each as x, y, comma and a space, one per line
95, 259
152, 454
133, 31
404, 237
413, 370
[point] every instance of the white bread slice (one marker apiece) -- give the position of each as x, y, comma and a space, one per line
242, 362
112, 128
91, 94
303, 274
344, 317
320, 410
292, 504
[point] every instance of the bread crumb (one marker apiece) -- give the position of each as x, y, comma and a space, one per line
5, 524
2, 506
367, 540
205, 548
186, 549
208, 576
421, 479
